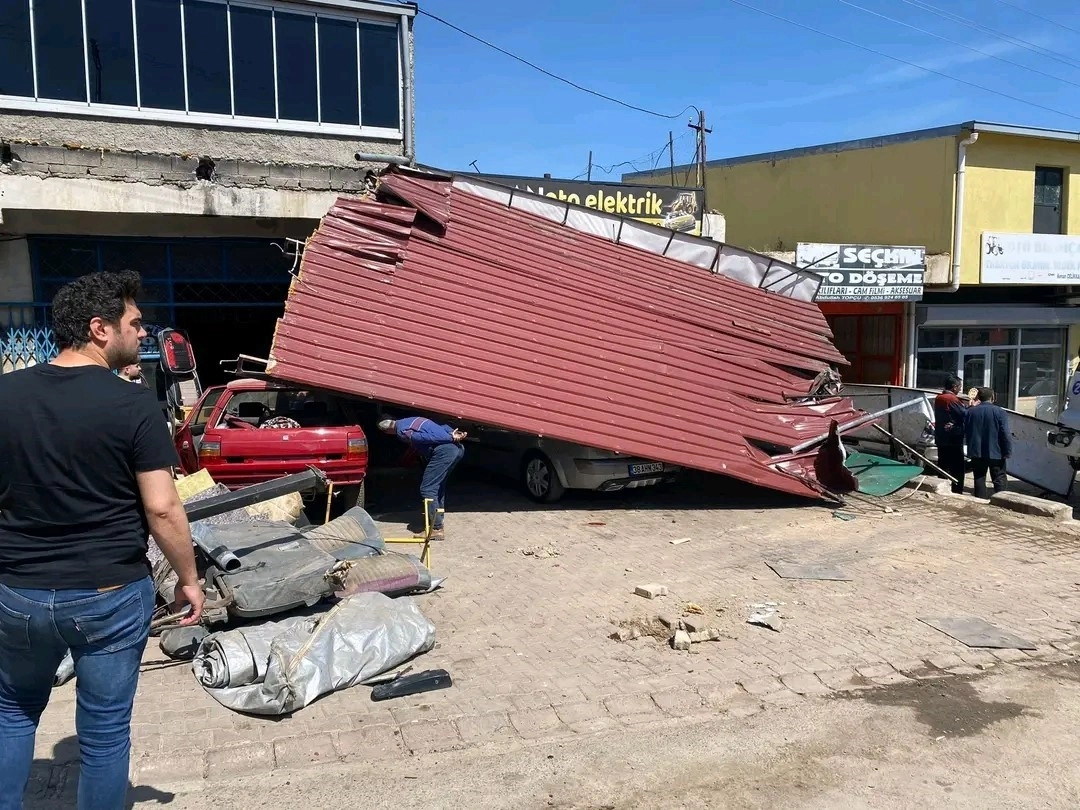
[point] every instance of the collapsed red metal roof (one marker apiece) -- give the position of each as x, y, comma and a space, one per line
460, 297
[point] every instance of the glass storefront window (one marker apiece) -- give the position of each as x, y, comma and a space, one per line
938, 338
1040, 382
1043, 337
989, 337
934, 369
1024, 366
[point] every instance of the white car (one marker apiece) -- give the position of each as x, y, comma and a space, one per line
546, 468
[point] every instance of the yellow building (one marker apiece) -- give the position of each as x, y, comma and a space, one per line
991, 205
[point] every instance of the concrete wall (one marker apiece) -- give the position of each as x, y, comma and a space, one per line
16, 280
155, 225
96, 195
1000, 190
257, 146
899, 193
156, 168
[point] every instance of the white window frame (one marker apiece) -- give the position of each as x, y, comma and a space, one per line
351, 10
1018, 347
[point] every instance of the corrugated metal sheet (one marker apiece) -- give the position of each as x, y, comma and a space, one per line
442, 300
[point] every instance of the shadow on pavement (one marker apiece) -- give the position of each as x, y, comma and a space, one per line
54, 782
393, 493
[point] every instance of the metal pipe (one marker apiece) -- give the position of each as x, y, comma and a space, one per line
910, 366
855, 423
220, 504
407, 88
221, 556
371, 157
915, 453
958, 210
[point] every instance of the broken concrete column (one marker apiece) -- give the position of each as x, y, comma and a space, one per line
681, 640
651, 591
695, 624
712, 634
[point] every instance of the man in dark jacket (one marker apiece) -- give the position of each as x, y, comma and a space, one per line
440, 448
989, 444
949, 413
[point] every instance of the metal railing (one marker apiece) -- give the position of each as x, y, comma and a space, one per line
26, 338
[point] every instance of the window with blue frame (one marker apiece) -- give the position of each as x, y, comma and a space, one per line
176, 273
210, 61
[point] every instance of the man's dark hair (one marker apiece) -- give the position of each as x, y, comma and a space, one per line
985, 394
951, 382
97, 295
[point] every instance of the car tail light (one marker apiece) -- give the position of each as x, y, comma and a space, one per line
357, 446
177, 356
210, 450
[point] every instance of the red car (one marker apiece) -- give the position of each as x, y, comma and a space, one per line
251, 431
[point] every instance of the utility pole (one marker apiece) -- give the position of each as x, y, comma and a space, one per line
671, 155
700, 154
588, 177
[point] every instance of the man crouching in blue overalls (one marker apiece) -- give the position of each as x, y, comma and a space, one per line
440, 448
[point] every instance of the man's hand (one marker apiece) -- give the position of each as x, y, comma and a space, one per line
460, 435
189, 595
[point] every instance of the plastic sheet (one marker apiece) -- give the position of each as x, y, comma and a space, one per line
362, 637
66, 671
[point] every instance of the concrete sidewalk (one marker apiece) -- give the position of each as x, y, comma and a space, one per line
532, 597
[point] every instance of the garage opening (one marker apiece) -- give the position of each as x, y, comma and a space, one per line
227, 294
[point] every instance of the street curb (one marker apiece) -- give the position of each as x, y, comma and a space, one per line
1015, 504
1030, 505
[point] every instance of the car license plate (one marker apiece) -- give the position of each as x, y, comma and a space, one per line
646, 469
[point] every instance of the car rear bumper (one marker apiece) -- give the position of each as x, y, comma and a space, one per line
235, 476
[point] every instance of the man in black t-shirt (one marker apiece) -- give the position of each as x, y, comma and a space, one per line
85, 474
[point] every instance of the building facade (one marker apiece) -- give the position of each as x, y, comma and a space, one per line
188, 140
992, 206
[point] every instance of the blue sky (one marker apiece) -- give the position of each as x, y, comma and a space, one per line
763, 84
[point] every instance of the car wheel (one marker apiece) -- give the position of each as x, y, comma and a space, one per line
353, 496
540, 480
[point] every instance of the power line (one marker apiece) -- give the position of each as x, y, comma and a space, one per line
555, 76
1037, 16
654, 156
958, 44
1021, 43
691, 164
903, 61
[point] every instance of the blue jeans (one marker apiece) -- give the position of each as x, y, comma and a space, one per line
433, 485
106, 633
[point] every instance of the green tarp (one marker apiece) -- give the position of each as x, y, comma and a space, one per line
878, 475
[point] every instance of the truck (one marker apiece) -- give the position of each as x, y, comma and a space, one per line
250, 431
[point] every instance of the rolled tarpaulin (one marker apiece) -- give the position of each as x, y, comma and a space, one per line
361, 637
239, 657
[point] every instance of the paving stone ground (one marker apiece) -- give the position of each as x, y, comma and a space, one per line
526, 635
